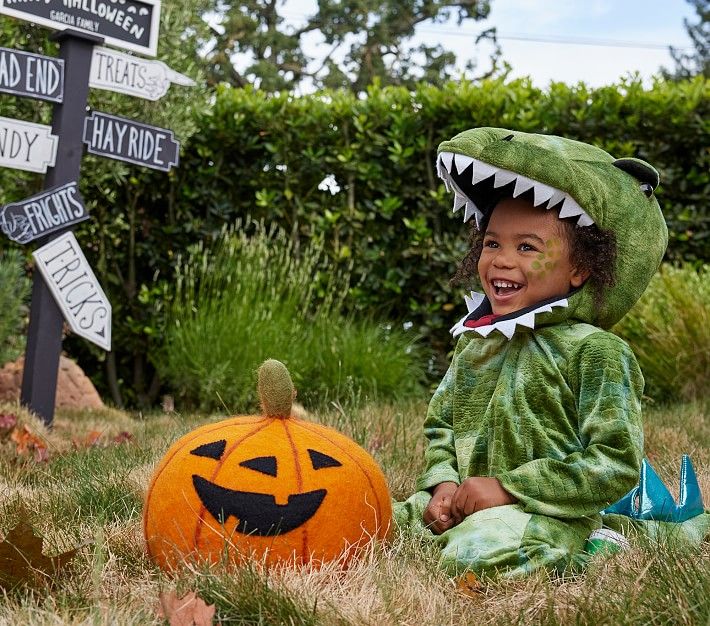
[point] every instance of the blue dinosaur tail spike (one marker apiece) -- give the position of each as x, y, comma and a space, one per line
651, 500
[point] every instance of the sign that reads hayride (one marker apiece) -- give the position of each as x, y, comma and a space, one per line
75, 289
42, 214
129, 24
125, 140
26, 146
33, 75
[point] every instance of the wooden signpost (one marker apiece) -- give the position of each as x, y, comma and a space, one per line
64, 286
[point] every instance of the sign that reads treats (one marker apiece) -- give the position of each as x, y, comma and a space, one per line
124, 73
26, 146
125, 140
42, 214
33, 75
129, 24
75, 289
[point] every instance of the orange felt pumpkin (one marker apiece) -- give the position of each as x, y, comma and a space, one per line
270, 487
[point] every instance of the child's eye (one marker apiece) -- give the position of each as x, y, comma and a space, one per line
490, 243
526, 247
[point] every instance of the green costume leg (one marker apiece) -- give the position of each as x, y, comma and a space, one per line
503, 540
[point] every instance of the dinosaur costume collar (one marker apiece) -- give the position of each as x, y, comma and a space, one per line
585, 184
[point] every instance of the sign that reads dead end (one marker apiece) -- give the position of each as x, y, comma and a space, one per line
75, 289
26, 146
129, 24
125, 140
32, 75
42, 214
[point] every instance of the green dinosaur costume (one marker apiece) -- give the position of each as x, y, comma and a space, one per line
543, 398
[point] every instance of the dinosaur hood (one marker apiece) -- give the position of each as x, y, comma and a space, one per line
581, 181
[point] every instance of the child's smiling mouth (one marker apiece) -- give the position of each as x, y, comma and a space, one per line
505, 289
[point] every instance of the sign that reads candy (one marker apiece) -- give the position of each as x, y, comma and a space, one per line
26, 146
74, 287
33, 75
129, 24
42, 214
124, 73
125, 140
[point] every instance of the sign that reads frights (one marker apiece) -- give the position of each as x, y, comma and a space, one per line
33, 75
27, 146
42, 214
125, 140
75, 289
129, 24
125, 73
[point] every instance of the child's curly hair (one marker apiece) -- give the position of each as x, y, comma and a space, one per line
592, 250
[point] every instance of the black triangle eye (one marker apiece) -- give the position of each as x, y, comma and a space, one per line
264, 464
320, 460
213, 450
508, 138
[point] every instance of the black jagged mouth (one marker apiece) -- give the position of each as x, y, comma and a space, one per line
479, 186
258, 513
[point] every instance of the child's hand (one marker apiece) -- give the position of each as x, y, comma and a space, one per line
437, 515
477, 493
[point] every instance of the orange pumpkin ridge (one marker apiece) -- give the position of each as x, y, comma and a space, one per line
299, 479
165, 461
220, 463
316, 431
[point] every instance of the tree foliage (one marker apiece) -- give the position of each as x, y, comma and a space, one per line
361, 41
698, 61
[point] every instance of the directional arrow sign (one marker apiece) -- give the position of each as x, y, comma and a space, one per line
132, 75
126, 140
26, 146
75, 289
129, 24
33, 75
42, 214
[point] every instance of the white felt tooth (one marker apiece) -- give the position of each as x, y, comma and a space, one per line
459, 201
479, 217
471, 210
507, 327
585, 220
522, 184
543, 193
556, 198
503, 177
570, 208
484, 331
474, 300
481, 171
462, 162
447, 158
527, 320
447, 184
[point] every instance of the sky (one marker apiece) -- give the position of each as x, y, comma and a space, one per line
646, 27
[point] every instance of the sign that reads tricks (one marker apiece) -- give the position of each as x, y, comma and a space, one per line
132, 75
33, 75
125, 140
75, 289
42, 214
129, 24
26, 146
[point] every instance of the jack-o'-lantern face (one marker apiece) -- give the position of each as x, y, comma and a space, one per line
281, 489
258, 513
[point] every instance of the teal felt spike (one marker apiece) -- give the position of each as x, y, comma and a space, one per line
651, 500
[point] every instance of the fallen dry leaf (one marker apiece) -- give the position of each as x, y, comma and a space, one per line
122, 437
8, 421
469, 585
90, 440
22, 561
28, 443
190, 610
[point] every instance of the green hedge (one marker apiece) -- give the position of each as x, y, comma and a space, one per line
265, 156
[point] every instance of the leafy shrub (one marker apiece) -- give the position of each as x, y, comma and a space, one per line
255, 297
14, 291
669, 330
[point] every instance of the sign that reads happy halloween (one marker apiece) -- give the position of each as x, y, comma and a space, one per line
32, 75
27, 146
129, 24
42, 214
73, 284
125, 140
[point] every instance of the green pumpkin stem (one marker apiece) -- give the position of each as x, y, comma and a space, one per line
275, 389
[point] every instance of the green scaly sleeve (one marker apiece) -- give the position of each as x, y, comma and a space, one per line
607, 381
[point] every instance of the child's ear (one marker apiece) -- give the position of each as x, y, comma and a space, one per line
577, 277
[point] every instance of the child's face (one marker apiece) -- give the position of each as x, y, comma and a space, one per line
525, 257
